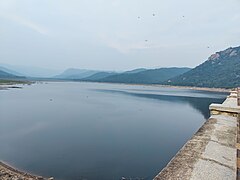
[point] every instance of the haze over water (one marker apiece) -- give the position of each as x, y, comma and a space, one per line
76, 131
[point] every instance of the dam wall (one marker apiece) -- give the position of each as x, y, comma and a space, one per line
212, 152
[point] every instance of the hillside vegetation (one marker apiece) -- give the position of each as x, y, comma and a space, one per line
221, 70
152, 76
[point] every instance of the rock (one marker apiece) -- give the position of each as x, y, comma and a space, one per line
214, 57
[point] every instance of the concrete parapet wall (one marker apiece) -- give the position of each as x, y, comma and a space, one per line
211, 153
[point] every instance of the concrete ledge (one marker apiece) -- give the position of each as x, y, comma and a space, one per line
229, 107
222, 108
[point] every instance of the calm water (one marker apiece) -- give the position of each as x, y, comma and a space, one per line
90, 131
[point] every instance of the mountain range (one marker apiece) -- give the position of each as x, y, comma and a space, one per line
150, 76
136, 76
220, 70
73, 74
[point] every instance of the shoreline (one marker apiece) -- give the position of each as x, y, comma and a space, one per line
166, 86
14, 85
198, 88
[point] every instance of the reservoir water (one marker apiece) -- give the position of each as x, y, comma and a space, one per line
93, 131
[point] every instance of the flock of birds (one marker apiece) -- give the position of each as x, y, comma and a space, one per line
146, 40
153, 16
140, 17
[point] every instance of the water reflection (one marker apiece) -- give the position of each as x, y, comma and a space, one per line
198, 103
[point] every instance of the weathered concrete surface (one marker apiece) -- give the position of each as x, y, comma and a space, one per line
9, 173
211, 153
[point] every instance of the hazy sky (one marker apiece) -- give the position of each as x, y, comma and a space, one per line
111, 34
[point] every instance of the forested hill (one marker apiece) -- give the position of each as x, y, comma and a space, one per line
151, 76
221, 70
5, 75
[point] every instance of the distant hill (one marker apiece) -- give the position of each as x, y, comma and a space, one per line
98, 76
104, 74
5, 75
10, 71
29, 71
221, 70
152, 76
76, 74
136, 70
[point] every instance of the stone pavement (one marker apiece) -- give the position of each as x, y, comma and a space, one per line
9, 173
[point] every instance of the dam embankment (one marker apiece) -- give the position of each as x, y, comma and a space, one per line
212, 153
9, 173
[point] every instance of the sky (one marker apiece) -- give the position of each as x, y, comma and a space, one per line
116, 34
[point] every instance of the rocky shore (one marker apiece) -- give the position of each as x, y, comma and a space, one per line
9, 173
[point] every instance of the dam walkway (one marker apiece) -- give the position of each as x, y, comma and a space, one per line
212, 153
